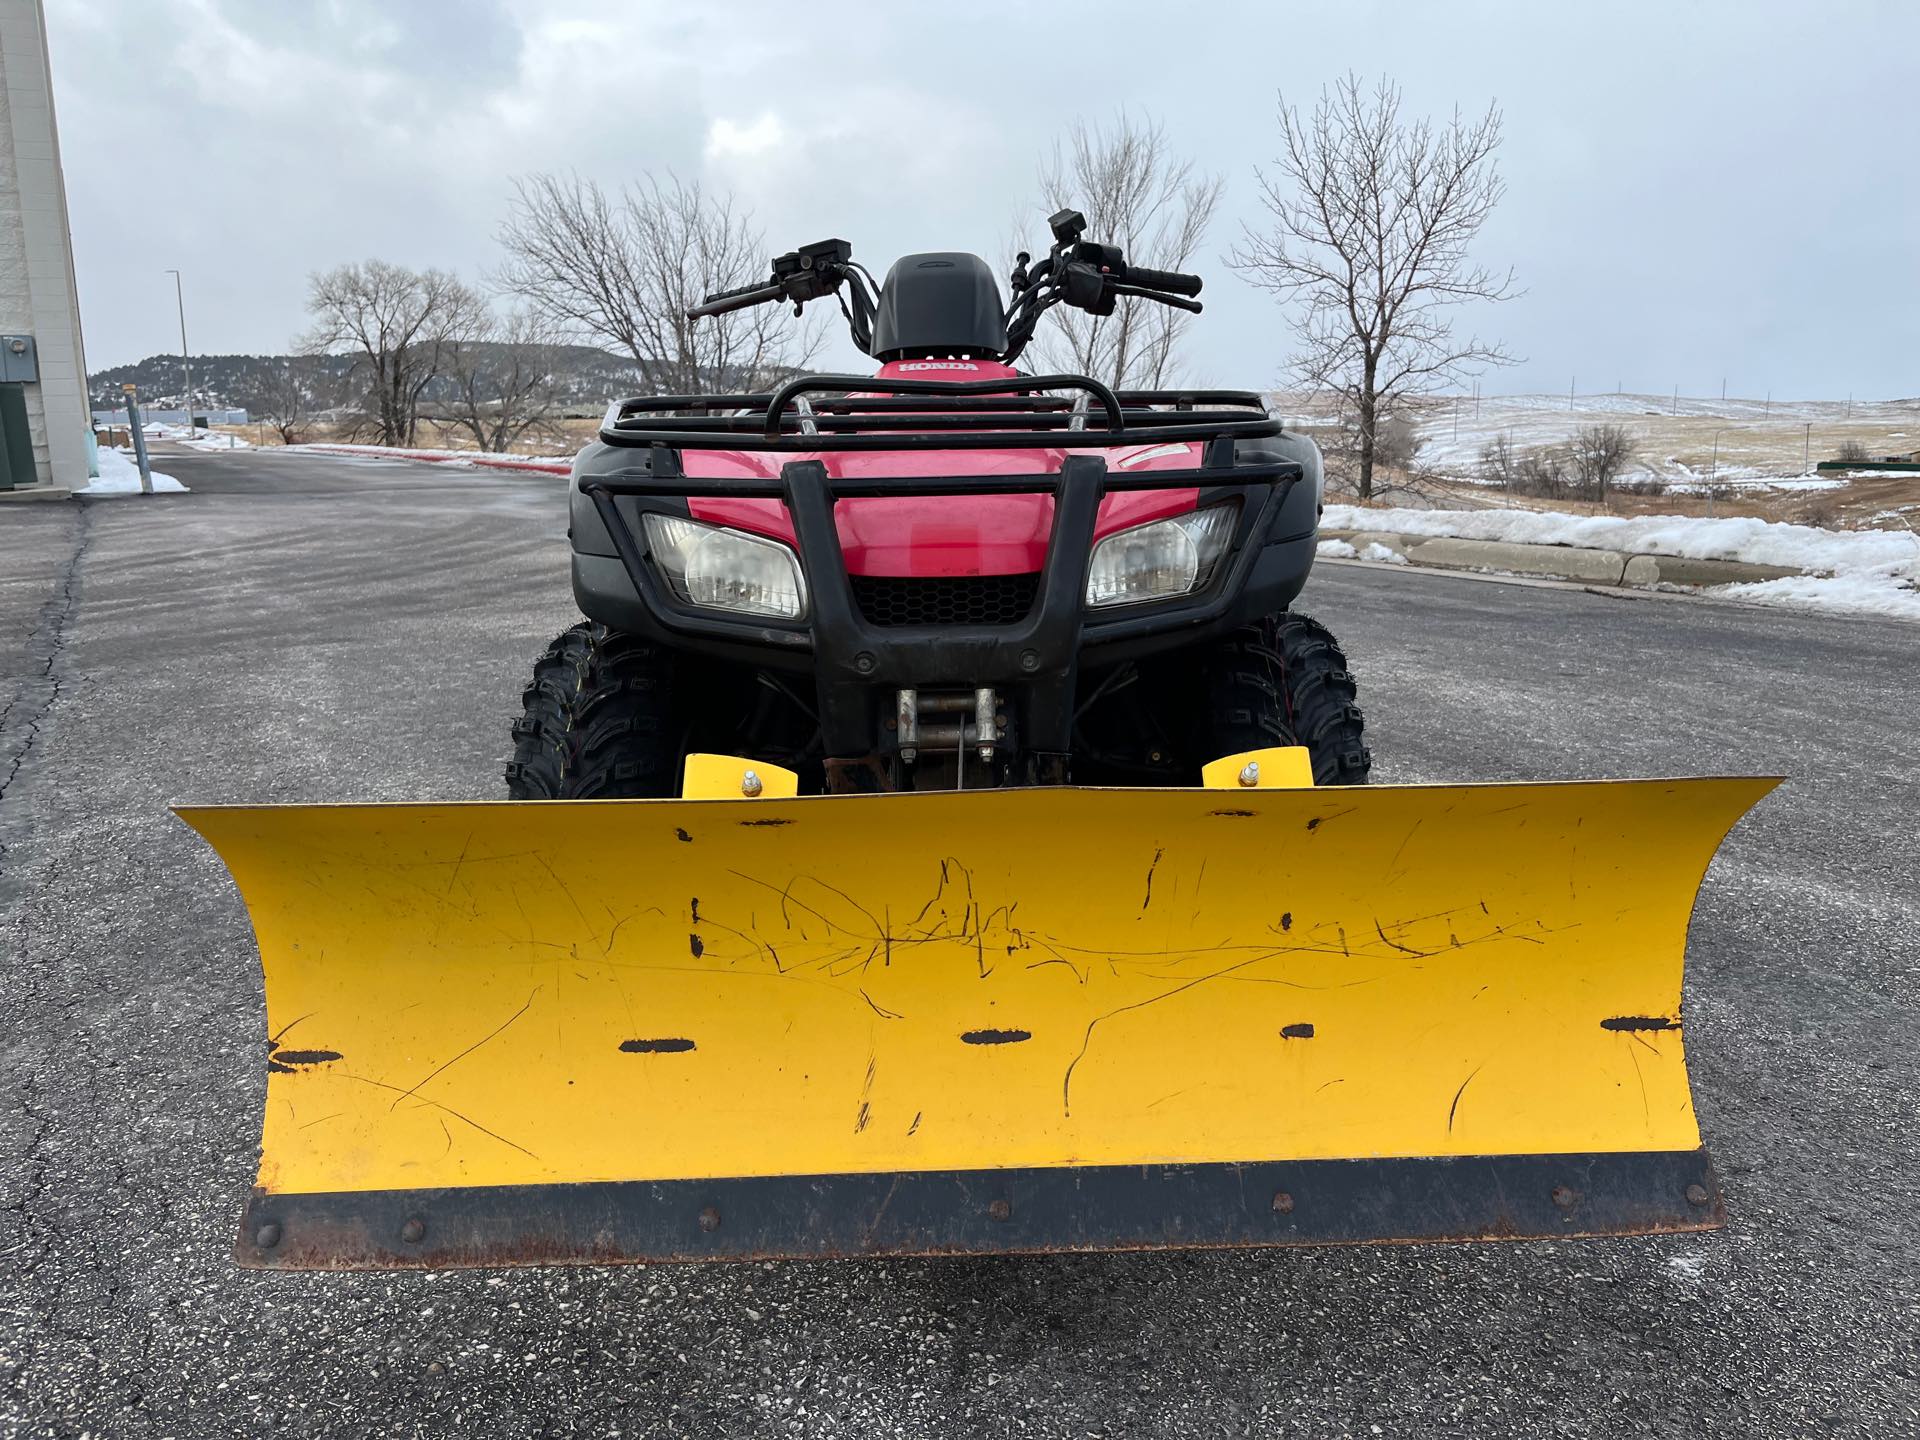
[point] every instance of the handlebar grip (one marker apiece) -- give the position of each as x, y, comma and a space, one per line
720, 302
1170, 280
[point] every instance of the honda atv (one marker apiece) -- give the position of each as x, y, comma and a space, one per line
683, 1011
951, 574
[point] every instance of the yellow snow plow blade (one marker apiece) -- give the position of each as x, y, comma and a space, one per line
973, 1022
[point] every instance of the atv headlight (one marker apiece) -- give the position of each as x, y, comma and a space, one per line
721, 569
1165, 558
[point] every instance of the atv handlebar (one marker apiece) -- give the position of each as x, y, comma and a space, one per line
1168, 280
1081, 273
722, 301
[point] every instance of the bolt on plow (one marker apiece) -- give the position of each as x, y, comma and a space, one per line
1030, 1020
943, 834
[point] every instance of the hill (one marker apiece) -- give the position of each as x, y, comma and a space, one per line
585, 374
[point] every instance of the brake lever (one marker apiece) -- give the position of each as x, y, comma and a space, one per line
1178, 302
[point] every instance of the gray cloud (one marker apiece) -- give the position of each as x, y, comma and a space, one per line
1694, 191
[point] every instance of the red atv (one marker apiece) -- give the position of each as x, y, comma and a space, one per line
951, 574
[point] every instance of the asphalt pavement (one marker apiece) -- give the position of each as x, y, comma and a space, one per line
303, 628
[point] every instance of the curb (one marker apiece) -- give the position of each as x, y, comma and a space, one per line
28, 494
1562, 562
442, 457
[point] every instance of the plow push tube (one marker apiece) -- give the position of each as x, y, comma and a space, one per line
973, 1022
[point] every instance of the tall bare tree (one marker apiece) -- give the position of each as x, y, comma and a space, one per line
284, 391
399, 323
624, 269
1137, 194
499, 381
1373, 221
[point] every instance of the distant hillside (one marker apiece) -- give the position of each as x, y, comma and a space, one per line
586, 375
218, 380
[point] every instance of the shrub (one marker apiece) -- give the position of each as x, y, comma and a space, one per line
1600, 453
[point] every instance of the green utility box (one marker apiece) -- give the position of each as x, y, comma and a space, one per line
16, 441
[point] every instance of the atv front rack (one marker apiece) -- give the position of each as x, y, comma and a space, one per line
855, 412
851, 657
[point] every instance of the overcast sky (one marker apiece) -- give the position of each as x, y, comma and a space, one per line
1696, 191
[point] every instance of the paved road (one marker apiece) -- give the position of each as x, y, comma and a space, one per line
315, 629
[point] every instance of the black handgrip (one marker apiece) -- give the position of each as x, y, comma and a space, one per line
722, 301
1171, 280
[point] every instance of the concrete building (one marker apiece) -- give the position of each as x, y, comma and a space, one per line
40, 349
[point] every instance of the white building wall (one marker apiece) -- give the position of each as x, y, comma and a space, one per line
37, 294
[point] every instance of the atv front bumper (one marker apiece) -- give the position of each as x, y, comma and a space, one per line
856, 662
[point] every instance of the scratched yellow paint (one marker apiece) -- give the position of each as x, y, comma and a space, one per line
574, 991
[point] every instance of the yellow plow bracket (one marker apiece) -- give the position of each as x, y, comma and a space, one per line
728, 777
1287, 767
975, 1021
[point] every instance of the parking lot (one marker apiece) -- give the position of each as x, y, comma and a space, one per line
307, 628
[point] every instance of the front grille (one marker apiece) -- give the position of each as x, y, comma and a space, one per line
945, 599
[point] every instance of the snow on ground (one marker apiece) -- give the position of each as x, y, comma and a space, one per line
1872, 592
1701, 485
120, 476
1866, 571
453, 457
1375, 551
205, 439
1759, 444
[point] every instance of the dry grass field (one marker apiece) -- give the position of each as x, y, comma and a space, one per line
1714, 457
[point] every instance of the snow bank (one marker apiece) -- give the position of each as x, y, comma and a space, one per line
548, 464
208, 439
1695, 537
1857, 593
120, 476
1873, 572
1341, 550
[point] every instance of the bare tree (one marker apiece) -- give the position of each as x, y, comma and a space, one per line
624, 269
284, 392
1397, 442
1497, 461
398, 322
499, 381
1138, 195
1600, 453
1542, 471
1373, 217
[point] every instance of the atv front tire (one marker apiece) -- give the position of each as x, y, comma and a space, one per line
596, 722
1284, 681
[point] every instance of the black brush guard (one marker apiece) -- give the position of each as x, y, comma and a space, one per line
853, 658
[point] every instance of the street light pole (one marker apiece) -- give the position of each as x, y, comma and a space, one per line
186, 363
